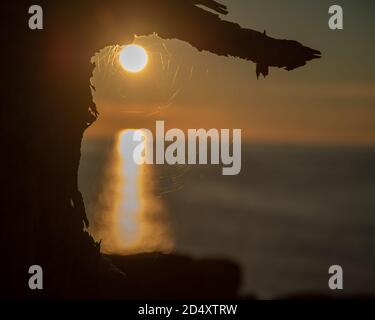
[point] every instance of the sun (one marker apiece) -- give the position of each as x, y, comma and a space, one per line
133, 58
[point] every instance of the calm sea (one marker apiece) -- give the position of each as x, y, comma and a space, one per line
291, 213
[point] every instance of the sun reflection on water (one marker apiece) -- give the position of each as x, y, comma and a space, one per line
135, 220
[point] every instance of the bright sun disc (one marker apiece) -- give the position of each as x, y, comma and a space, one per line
133, 58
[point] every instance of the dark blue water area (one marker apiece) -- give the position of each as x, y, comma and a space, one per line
291, 213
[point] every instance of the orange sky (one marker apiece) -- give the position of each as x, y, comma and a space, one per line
189, 89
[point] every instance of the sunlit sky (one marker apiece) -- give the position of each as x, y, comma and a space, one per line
331, 100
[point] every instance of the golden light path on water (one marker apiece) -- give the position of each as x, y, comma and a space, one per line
130, 202
135, 219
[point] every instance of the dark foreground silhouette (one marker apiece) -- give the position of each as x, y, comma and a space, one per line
46, 107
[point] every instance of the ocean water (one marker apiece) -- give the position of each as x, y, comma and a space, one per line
291, 213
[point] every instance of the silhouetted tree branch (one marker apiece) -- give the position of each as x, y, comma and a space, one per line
205, 30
